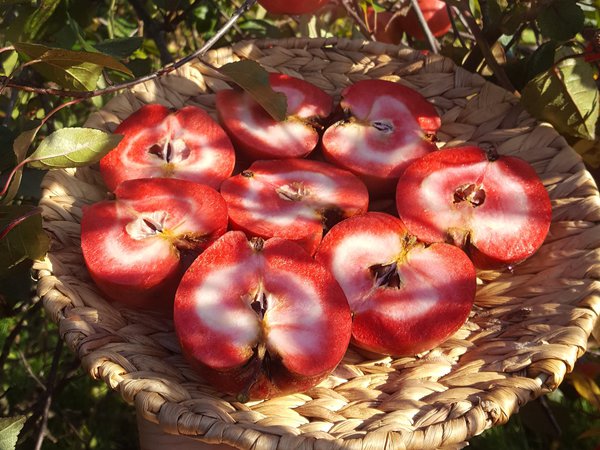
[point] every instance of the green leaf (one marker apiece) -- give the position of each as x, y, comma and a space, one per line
10, 427
513, 18
566, 96
561, 20
9, 62
43, 11
493, 10
541, 59
70, 69
21, 235
7, 157
73, 147
251, 77
120, 47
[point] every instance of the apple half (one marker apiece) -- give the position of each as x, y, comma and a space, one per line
494, 207
258, 136
293, 199
259, 319
406, 297
385, 127
137, 246
161, 143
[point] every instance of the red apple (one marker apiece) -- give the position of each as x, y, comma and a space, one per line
293, 199
384, 26
495, 207
259, 136
137, 247
435, 14
387, 126
406, 297
157, 143
260, 319
292, 7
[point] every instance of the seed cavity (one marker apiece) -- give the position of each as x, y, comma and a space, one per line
331, 216
471, 193
257, 244
260, 304
247, 174
147, 225
171, 151
386, 275
384, 127
293, 192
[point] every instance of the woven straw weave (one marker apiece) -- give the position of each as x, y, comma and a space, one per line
525, 333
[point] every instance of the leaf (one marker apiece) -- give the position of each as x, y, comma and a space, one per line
587, 388
251, 77
20, 146
7, 157
73, 147
566, 96
561, 20
43, 11
10, 427
541, 59
590, 152
9, 63
21, 235
68, 68
121, 47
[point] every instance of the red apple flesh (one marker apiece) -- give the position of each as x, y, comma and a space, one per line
137, 247
406, 297
293, 199
293, 7
258, 136
495, 207
158, 143
259, 319
387, 126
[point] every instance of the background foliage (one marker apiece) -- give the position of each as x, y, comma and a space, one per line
61, 59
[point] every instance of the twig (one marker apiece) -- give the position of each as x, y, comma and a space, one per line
82, 95
14, 333
431, 40
454, 27
48, 394
29, 370
486, 51
515, 38
350, 9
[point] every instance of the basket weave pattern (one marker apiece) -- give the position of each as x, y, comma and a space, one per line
525, 333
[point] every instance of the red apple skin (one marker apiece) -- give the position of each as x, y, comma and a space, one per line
387, 127
506, 228
261, 200
304, 328
432, 297
199, 149
384, 26
258, 136
292, 7
435, 14
140, 267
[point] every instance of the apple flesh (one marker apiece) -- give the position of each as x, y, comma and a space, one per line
406, 297
292, 7
386, 127
137, 246
293, 199
259, 319
495, 207
435, 14
159, 143
258, 136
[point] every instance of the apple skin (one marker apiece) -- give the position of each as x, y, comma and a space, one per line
256, 135
384, 25
435, 14
292, 7
139, 264
425, 297
161, 143
504, 226
386, 127
294, 199
302, 326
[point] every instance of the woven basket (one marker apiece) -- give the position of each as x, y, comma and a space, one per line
527, 329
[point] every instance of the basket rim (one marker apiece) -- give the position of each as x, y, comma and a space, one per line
170, 413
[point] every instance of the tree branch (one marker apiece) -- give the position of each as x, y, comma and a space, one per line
82, 95
350, 9
434, 45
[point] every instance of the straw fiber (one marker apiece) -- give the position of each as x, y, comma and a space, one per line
527, 329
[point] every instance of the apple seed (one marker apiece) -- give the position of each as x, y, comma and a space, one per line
471, 193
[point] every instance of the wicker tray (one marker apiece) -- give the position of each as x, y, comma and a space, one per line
525, 333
